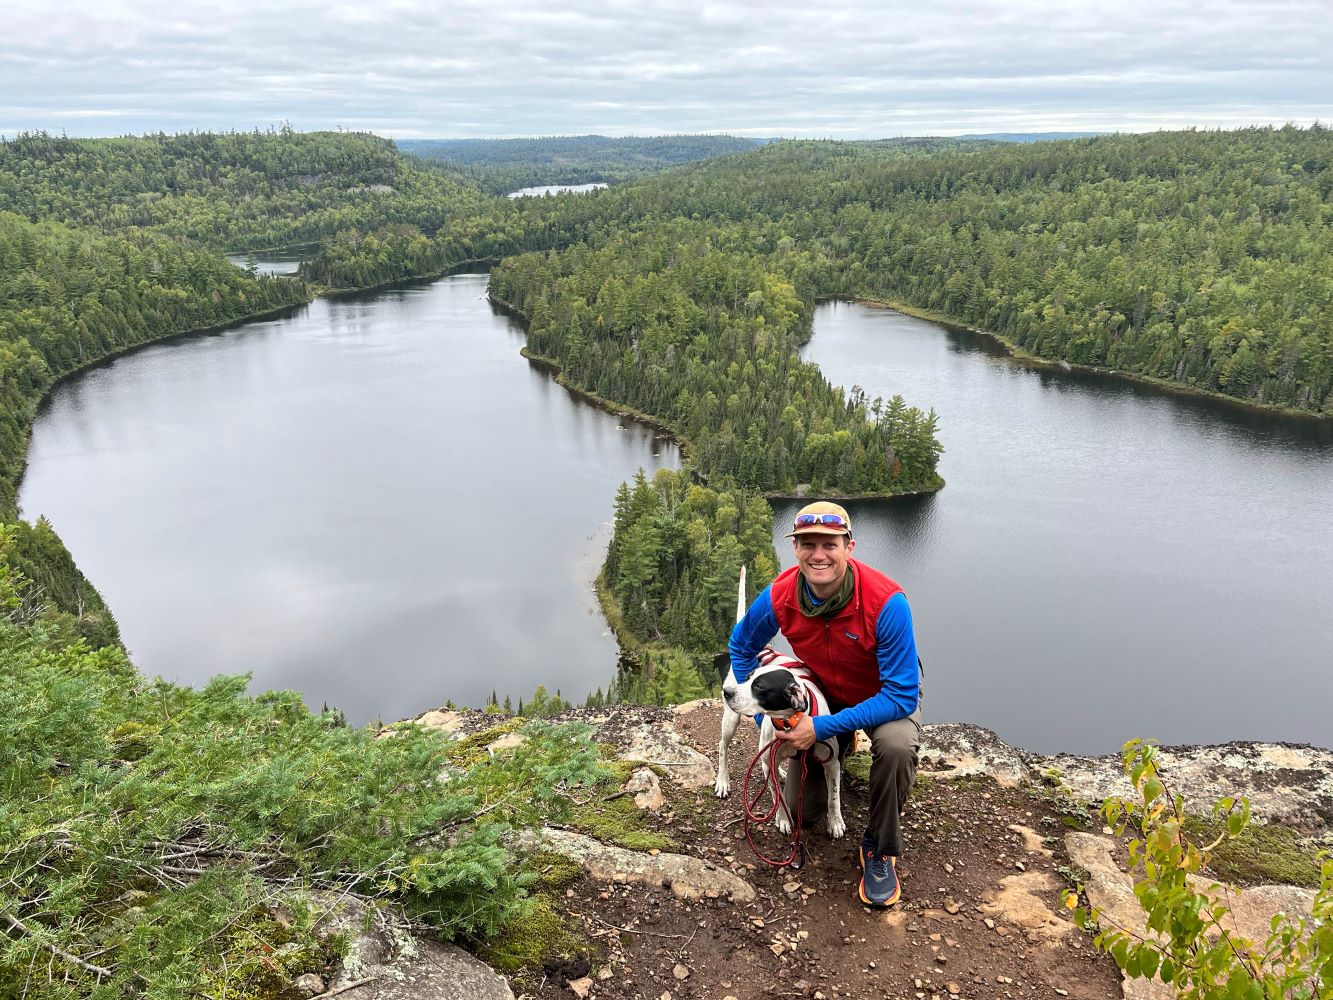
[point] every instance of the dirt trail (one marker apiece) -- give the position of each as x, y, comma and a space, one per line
981, 915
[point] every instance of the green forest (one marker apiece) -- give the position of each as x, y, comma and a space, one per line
670, 578
503, 165
1200, 259
231, 191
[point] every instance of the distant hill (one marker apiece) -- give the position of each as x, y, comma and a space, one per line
1028, 136
501, 165
234, 190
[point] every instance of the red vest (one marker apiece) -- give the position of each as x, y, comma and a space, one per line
840, 651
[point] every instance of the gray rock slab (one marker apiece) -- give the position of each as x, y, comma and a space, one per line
659, 744
435, 971
959, 750
687, 877
1287, 784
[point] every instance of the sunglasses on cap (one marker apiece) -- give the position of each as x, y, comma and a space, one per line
832, 520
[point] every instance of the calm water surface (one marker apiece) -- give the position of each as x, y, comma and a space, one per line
1106, 561
545, 189
273, 262
376, 502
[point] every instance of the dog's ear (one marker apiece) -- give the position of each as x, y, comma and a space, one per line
722, 663
796, 695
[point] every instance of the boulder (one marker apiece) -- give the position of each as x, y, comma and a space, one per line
646, 789
959, 750
687, 877
1287, 784
659, 744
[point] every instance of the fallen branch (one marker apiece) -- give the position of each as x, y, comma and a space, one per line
14, 923
344, 989
632, 930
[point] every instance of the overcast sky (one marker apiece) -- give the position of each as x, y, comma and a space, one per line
459, 68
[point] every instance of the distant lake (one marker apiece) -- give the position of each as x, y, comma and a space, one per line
545, 189
271, 262
375, 501
1108, 560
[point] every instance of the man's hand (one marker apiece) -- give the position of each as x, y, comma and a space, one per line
802, 737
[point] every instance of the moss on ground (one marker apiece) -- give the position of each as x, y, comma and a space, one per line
1262, 854
470, 751
264, 954
620, 822
552, 872
536, 937
857, 765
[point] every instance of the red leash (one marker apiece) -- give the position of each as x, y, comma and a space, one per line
795, 859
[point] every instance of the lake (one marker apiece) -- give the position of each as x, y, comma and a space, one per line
273, 262
546, 189
1108, 560
375, 501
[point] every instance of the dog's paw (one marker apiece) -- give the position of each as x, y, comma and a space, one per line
837, 829
722, 786
782, 822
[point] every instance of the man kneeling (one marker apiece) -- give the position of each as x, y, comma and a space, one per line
851, 626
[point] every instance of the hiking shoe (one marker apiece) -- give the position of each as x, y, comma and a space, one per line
869, 844
879, 882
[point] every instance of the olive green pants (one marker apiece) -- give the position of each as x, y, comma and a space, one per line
893, 759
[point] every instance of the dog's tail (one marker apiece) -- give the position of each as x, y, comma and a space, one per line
740, 596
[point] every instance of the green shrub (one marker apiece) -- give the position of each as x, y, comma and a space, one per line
144, 826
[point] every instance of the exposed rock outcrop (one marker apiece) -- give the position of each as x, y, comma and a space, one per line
1286, 784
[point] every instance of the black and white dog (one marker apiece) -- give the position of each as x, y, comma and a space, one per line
780, 688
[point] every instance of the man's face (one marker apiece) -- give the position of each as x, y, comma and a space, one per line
823, 560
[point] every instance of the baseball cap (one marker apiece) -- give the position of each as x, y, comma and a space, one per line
821, 518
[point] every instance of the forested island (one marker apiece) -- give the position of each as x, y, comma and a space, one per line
1198, 258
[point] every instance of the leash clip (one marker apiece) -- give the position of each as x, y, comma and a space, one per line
798, 862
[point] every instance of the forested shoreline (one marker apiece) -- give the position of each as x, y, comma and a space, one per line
1196, 258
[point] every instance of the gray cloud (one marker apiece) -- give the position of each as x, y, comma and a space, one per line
521, 67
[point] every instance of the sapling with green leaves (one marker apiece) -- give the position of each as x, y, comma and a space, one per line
1187, 941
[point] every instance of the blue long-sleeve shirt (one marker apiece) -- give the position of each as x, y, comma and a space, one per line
895, 652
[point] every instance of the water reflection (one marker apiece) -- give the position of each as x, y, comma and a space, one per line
1108, 560
376, 502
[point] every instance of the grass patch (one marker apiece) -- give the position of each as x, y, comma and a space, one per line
1262, 854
